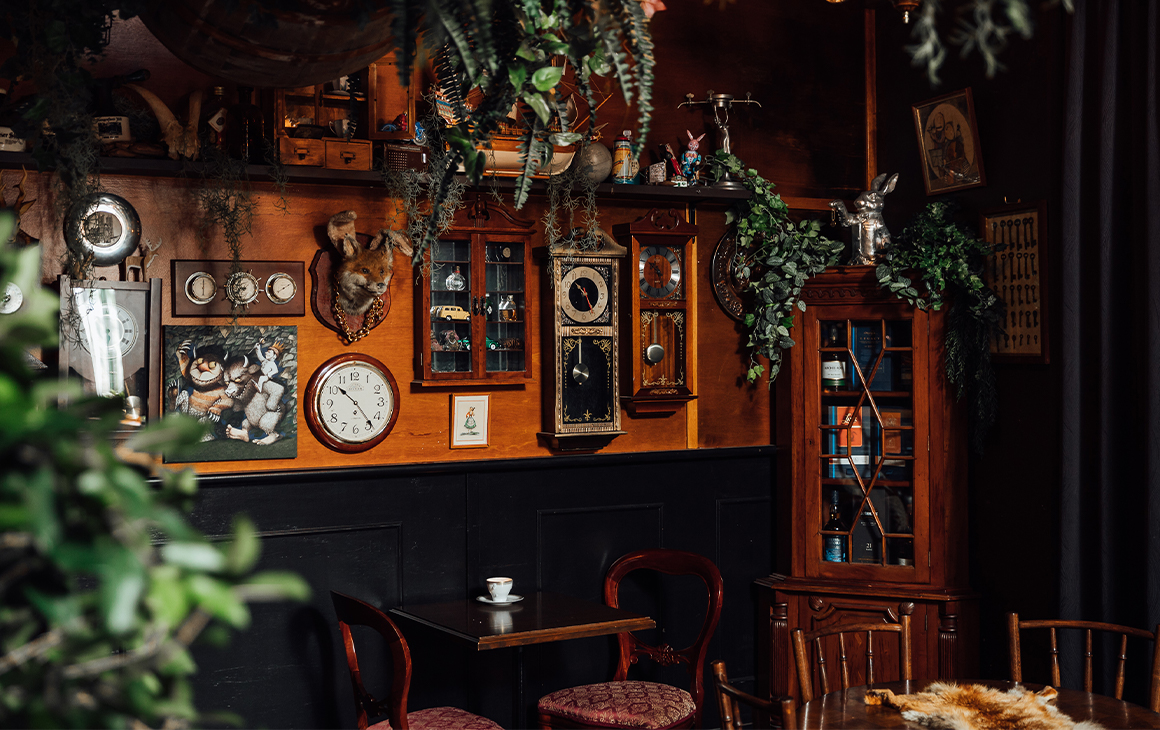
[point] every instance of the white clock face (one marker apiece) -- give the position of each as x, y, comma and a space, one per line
280, 288
12, 298
242, 288
583, 294
121, 336
354, 402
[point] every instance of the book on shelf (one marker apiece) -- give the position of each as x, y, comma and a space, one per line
867, 347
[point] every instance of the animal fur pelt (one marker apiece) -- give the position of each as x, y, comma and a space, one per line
974, 707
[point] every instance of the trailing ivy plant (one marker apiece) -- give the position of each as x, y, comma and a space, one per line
103, 583
948, 259
775, 257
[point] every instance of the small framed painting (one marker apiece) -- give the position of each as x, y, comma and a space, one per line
948, 142
470, 421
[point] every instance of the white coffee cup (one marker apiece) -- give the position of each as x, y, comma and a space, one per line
499, 588
341, 127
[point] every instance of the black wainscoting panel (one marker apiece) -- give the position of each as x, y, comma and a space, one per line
423, 533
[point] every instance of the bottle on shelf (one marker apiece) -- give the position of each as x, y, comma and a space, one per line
866, 541
245, 132
833, 364
834, 546
215, 119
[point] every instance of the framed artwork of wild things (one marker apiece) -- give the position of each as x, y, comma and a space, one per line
241, 382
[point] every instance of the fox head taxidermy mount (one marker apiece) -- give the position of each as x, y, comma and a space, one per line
364, 273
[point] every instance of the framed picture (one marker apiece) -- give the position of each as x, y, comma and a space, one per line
110, 340
470, 421
242, 382
1017, 273
948, 142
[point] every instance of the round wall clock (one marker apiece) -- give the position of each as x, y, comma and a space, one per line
104, 225
12, 298
121, 332
728, 287
352, 402
585, 294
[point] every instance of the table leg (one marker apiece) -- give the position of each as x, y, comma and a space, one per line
518, 709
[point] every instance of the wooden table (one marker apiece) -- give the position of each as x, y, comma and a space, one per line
538, 619
846, 708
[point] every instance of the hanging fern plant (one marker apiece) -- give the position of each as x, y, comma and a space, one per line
516, 52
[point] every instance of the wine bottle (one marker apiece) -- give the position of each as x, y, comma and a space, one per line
866, 541
244, 133
833, 365
215, 119
834, 546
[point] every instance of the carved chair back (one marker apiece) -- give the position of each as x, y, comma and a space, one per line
632, 648
844, 633
1015, 626
353, 612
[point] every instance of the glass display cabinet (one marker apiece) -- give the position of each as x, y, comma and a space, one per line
873, 482
473, 320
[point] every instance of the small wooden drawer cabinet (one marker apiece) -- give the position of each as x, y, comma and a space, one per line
351, 154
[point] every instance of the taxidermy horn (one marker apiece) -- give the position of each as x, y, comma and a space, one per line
181, 141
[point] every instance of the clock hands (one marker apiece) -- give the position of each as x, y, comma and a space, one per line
584, 291
356, 405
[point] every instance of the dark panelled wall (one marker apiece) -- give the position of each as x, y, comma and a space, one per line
413, 534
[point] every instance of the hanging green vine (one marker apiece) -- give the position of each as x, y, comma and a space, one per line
776, 257
948, 258
227, 200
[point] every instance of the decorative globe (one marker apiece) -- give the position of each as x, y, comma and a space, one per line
593, 163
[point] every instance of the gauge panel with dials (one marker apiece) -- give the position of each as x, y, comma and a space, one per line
209, 288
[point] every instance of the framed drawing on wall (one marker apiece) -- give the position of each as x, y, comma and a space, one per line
948, 142
241, 382
470, 421
1017, 273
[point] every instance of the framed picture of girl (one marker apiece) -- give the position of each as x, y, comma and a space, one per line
470, 421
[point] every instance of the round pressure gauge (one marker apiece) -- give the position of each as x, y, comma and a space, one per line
200, 287
242, 288
281, 288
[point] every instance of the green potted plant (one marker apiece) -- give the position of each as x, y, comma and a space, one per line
103, 583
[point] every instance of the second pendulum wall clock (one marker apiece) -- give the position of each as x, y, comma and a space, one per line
584, 414
659, 313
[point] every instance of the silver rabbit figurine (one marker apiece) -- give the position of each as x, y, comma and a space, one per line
871, 239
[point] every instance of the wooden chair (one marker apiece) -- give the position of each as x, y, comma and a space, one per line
870, 628
353, 612
780, 713
1015, 626
624, 703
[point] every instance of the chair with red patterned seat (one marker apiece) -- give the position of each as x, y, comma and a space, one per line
624, 703
353, 612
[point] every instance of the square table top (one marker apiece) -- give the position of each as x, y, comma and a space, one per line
537, 619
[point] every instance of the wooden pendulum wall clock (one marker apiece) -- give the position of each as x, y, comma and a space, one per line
585, 410
659, 313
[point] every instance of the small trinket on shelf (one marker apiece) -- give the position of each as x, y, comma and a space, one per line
455, 280
624, 167
691, 160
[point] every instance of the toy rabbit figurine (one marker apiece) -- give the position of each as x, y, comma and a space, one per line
870, 237
691, 160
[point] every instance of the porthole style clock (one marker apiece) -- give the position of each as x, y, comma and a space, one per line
659, 313
352, 402
584, 412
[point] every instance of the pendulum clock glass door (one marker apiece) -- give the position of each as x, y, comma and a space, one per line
504, 307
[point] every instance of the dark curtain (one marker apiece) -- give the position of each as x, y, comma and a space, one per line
1110, 320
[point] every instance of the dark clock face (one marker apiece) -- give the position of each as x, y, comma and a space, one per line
587, 380
585, 295
659, 270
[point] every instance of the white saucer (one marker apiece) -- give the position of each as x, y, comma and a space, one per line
511, 598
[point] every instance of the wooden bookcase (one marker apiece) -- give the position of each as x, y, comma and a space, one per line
889, 439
